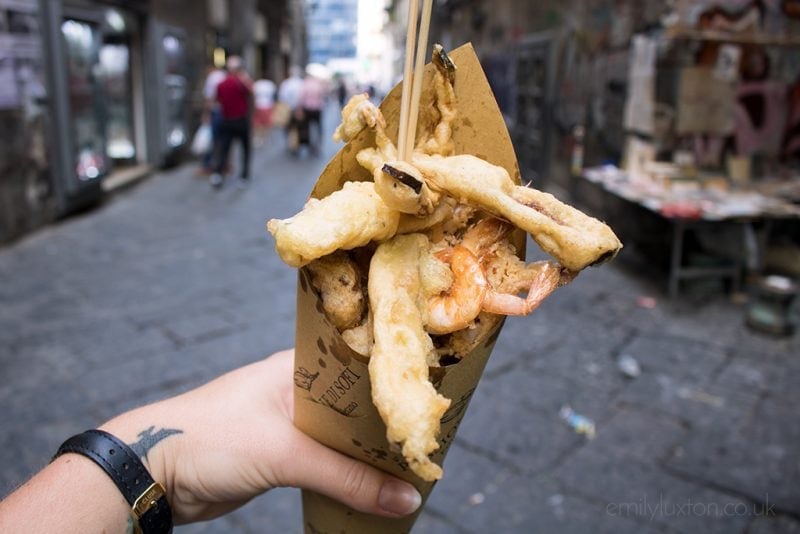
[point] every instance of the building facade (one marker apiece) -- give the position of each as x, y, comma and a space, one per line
93, 91
332, 30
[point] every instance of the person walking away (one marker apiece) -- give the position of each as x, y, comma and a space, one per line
233, 95
211, 114
312, 99
289, 96
341, 91
264, 97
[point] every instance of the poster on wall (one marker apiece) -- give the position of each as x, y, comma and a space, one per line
21, 64
705, 103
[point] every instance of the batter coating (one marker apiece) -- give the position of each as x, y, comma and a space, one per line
348, 218
398, 368
569, 235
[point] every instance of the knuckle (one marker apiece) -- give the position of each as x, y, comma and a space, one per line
355, 483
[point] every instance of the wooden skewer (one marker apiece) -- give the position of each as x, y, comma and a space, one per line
408, 73
419, 65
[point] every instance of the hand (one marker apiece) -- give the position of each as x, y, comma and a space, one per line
234, 439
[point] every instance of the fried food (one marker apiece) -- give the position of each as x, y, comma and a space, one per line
357, 114
338, 282
359, 338
457, 306
401, 186
435, 235
441, 142
345, 219
398, 367
570, 236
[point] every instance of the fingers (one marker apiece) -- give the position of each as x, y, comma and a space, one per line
311, 465
356, 484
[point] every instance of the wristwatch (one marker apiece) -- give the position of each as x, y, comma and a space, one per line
150, 511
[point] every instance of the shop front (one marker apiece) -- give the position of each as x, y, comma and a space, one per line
119, 94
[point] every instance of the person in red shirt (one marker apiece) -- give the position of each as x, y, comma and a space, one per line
233, 95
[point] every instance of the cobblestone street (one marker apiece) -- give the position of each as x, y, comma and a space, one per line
169, 284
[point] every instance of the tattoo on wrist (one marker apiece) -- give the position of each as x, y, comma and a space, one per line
149, 438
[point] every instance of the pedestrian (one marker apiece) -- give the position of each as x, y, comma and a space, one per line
264, 98
312, 99
233, 95
198, 456
211, 114
341, 91
289, 96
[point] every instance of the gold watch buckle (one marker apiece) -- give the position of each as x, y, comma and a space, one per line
146, 501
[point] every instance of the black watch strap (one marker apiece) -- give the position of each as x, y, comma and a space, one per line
150, 510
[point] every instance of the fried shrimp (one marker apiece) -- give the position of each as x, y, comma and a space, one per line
547, 280
484, 249
402, 351
345, 219
462, 302
570, 236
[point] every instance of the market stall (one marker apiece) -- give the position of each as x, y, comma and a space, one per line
712, 138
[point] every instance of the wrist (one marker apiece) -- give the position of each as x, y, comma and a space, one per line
150, 512
155, 445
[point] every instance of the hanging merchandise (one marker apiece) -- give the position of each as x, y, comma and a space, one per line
726, 67
640, 105
705, 103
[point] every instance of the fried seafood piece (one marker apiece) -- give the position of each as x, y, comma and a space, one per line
487, 277
402, 187
338, 281
457, 306
359, 338
441, 141
348, 218
462, 342
398, 183
444, 212
570, 236
402, 351
505, 272
357, 114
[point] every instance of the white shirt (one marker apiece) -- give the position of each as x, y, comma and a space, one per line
212, 81
289, 92
264, 94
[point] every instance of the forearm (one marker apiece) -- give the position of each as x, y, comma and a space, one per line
212, 449
71, 495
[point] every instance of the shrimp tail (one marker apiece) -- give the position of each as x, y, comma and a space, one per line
549, 278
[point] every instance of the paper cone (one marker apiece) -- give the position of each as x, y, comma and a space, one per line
332, 395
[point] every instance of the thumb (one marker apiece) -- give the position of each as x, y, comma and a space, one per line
351, 482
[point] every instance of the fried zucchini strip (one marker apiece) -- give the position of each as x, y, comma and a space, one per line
348, 218
398, 368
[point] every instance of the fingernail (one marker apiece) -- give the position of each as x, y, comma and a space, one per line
398, 497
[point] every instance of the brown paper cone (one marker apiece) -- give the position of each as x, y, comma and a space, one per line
332, 395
